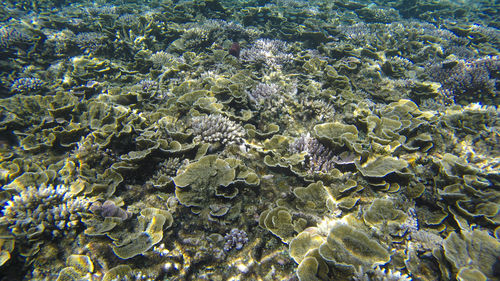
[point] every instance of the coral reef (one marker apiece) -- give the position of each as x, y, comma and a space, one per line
90, 42
381, 274
108, 209
243, 140
263, 94
13, 36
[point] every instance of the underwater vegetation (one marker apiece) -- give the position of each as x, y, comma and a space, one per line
224, 140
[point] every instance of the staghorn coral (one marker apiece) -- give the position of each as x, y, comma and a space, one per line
263, 94
486, 33
358, 32
382, 274
419, 239
411, 223
204, 34
379, 15
62, 41
319, 158
127, 19
151, 88
101, 10
90, 42
464, 80
170, 166
148, 85
44, 209
459, 51
272, 53
162, 58
166, 171
392, 35
217, 129
90, 153
319, 110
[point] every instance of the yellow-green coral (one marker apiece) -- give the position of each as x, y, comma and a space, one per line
128, 246
348, 246
472, 253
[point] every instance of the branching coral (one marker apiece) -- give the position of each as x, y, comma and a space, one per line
381, 274
91, 41
217, 129
319, 158
272, 53
204, 34
263, 94
464, 80
236, 238
44, 209
27, 85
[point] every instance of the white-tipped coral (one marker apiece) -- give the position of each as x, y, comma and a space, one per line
272, 53
388, 275
380, 274
43, 209
217, 129
27, 85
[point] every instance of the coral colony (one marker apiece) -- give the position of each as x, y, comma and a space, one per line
249, 140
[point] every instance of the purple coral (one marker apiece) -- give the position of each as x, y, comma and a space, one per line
319, 158
148, 85
108, 209
91, 41
236, 238
467, 79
